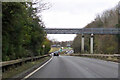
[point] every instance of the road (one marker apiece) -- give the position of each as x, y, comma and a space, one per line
77, 67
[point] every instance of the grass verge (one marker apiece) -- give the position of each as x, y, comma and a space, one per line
53, 49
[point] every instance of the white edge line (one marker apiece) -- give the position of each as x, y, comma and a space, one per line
37, 69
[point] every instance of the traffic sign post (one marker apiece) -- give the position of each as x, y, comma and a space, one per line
60, 49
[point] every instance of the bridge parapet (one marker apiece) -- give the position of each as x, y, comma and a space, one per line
112, 31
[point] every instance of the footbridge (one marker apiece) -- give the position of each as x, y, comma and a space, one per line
83, 31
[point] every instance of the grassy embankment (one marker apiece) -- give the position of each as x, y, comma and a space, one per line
53, 49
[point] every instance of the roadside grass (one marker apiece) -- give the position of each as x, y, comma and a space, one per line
62, 53
17, 70
67, 48
53, 49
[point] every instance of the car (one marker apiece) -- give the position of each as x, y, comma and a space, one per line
71, 51
56, 53
51, 54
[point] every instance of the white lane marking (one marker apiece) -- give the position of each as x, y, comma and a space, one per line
36, 70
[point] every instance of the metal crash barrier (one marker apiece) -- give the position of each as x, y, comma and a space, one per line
14, 63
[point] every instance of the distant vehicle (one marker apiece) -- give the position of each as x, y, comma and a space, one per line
51, 54
56, 53
66, 52
69, 52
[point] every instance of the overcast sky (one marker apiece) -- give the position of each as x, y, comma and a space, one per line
73, 14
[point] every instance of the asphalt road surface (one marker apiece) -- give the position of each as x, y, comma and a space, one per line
77, 67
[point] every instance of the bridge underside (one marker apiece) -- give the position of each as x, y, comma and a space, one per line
112, 31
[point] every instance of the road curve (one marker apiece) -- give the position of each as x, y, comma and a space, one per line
77, 67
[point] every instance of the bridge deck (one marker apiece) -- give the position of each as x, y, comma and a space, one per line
82, 31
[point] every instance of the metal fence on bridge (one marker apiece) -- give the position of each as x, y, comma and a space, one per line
112, 31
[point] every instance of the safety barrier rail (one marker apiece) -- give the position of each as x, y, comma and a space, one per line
14, 63
111, 57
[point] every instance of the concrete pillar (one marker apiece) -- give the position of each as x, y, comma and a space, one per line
82, 43
91, 44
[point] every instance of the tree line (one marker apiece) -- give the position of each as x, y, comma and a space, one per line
22, 31
105, 44
62, 43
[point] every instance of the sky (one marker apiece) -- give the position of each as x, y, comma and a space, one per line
73, 14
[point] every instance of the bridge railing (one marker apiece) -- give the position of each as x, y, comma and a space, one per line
82, 30
14, 63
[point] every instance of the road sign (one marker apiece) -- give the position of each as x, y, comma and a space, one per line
60, 49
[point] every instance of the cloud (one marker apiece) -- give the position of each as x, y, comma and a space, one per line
74, 13
61, 37
66, 19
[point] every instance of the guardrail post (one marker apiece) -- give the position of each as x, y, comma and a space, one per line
91, 44
82, 43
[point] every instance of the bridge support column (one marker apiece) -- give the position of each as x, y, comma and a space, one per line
82, 43
91, 44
